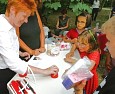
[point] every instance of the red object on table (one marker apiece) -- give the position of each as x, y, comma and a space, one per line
54, 75
15, 86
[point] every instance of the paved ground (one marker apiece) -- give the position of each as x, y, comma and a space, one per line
106, 8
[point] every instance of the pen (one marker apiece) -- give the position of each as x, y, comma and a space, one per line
30, 87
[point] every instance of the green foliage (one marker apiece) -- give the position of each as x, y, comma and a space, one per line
3, 6
79, 7
3, 1
76, 6
75, 0
54, 5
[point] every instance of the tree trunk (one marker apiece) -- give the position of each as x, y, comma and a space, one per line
102, 2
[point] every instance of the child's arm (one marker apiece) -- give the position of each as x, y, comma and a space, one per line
66, 39
71, 53
57, 25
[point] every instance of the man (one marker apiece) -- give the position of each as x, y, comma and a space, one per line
107, 86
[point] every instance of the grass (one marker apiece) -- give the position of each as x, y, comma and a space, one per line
52, 20
103, 16
101, 68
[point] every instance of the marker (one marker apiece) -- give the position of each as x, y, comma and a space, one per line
30, 87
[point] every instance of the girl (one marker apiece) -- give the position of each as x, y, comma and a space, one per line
82, 21
87, 45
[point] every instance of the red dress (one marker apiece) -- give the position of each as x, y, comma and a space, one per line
92, 83
73, 33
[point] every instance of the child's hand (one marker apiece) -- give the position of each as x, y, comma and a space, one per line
79, 86
70, 54
74, 40
70, 60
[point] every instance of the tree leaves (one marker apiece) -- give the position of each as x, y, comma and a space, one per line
54, 5
3, 1
79, 7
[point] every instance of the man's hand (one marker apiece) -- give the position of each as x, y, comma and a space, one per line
51, 70
26, 55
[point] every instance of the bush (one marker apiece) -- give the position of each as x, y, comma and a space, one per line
2, 8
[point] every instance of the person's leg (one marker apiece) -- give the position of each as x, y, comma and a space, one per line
96, 13
93, 11
5, 76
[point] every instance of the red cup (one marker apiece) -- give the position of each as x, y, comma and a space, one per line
54, 75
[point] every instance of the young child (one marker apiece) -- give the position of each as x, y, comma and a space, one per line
82, 21
87, 45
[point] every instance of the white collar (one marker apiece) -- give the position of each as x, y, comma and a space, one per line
3, 23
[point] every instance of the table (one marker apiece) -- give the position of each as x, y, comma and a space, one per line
46, 84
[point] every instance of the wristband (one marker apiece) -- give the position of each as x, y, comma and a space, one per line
23, 75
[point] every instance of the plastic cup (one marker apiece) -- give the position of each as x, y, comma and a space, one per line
54, 75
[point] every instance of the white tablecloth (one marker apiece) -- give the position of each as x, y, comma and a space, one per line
46, 84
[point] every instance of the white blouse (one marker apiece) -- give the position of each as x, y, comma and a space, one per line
9, 48
96, 4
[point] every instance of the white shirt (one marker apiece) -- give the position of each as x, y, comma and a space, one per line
96, 4
9, 48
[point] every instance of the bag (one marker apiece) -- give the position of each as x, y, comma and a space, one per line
78, 72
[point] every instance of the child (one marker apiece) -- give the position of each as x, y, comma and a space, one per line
82, 21
87, 45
